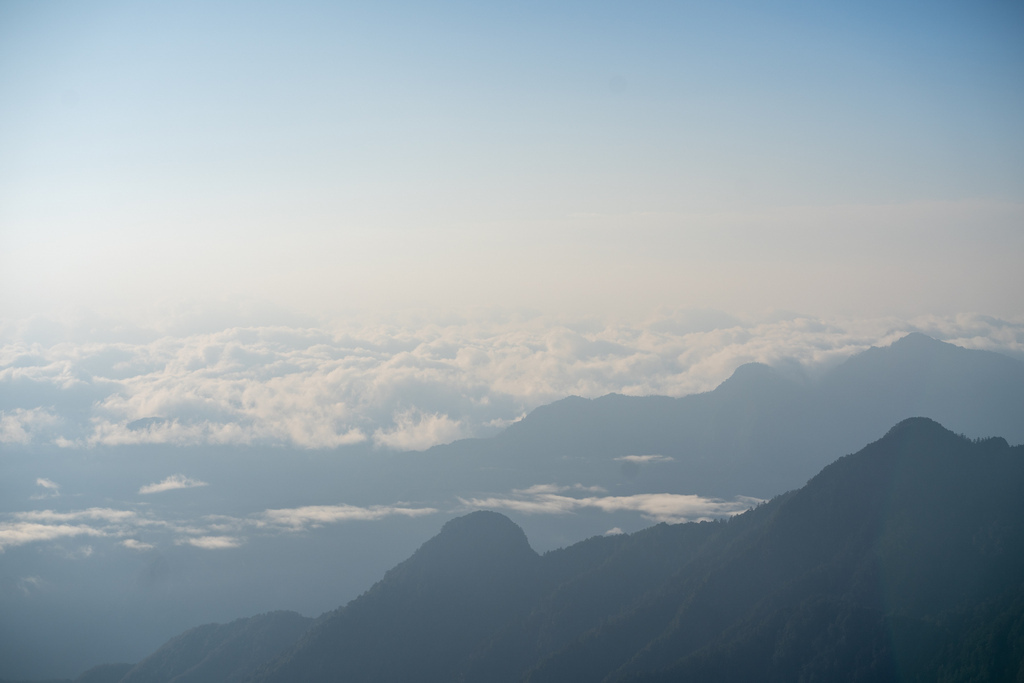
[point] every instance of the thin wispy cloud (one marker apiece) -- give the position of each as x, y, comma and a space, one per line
313, 516
107, 515
134, 544
208, 532
35, 526
405, 386
657, 507
171, 483
642, 459
20, 533
51, 489
212, 542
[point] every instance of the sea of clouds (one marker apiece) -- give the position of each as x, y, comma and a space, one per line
398, 385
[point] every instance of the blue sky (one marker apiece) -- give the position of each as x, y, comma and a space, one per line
862, 159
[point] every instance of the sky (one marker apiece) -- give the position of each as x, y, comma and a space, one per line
315, 224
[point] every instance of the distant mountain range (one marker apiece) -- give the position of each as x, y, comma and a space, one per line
902, 562
760, 433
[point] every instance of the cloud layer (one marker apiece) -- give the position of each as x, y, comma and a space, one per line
401, 386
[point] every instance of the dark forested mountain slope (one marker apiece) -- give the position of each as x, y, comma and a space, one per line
904, 561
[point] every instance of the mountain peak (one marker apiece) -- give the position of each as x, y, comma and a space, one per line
916, 426
753, 378
481, 540
917, 340
481, 525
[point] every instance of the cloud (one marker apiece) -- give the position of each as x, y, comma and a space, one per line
82, 552
20, 533
27, 585
211, 542
108, 515
614, 531
658, 507
50, 489
312, 516
24, 426
175, 481
47, 484
34, 526
404, 384
641, 459
208, 531
415, 430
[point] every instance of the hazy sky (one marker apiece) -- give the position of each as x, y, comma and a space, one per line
860, 159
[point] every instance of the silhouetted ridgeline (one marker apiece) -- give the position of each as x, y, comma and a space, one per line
904, 561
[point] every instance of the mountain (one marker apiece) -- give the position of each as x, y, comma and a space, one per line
764, 431
760, 433
416, 622
904, 561
220, 653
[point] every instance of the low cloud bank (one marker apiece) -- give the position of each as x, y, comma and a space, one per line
399, 386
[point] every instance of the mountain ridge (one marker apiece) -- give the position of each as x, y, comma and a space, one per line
905, 558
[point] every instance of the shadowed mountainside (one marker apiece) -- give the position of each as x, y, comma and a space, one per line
904, 561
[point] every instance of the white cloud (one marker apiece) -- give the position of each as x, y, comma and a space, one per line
108, 515
175, 481
23, 426
211, 542
407, 384
20, 533
640, 459
554, 488
47, 484
415, 430
312, 516
614, 531
658, 507
50, 489
208, 531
